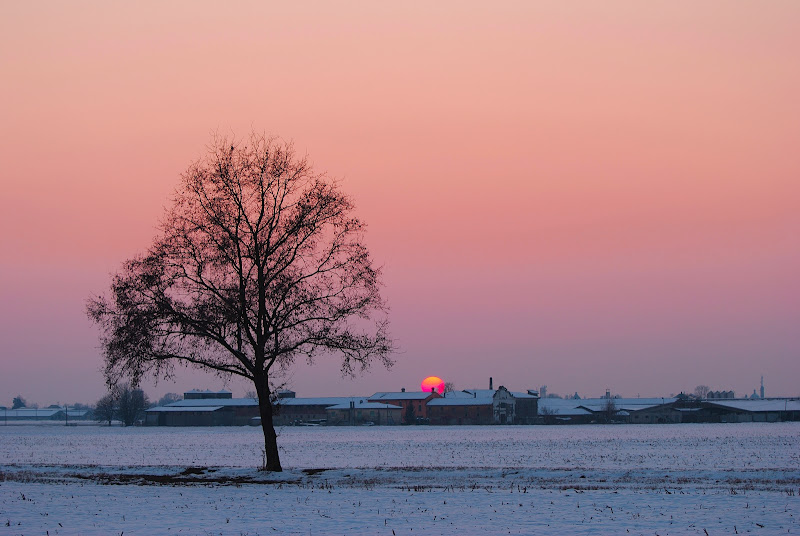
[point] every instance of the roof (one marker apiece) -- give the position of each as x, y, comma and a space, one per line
190, 409
365, 405
458, 394
759, 405
206, 391
623, 404
462, 401
32, 412
482, 392
559, 406
403, 395
569, 406
318, 401
250, 402
523, 394
198, 402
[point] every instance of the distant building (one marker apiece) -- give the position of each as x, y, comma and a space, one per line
467, 407
362, 412
745, 410
300, 411
219, 408
527, 407
199, 409
462, 407
45, 414
563, 411
196, 394
484, 406
404, 399
721, 395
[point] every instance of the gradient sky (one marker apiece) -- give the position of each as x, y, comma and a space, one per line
580, 194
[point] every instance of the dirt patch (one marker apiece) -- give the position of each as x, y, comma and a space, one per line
184, 478
314, 471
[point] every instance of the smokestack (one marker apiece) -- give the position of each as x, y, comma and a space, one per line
490, 383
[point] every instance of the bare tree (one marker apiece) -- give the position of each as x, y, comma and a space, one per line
169, 398
105, 409
259, 261
449, 387
410, 414
701, 391
547, 414
18, 402
131, 404
609, 410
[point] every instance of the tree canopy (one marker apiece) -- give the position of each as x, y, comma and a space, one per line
259, 261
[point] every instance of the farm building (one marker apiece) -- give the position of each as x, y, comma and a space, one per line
461, 408
418, 400
218, 408
563, 411
631, 410
196, 394
299, 411
527, 406
208, 411
753, 410
43, 414
478, 406
362, 412
668, 410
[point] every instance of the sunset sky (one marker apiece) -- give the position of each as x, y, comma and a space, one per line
586, 195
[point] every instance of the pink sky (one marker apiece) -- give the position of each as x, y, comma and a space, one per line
584, 195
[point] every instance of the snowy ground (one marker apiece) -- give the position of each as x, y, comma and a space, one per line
680, 479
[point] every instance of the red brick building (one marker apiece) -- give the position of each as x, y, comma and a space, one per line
418, 399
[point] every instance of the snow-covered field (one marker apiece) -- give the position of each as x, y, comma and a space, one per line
678, 479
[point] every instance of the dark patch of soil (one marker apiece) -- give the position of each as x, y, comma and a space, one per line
183, 478
314, 471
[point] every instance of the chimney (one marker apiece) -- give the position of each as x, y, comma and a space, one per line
402, 389
490, 383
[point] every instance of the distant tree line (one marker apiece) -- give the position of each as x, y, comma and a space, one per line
128, 405
124, 404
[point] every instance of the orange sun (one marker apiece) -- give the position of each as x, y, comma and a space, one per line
433, 383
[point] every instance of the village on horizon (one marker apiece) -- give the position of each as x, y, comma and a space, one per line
438, 403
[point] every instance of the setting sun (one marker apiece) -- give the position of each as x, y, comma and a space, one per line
433, 383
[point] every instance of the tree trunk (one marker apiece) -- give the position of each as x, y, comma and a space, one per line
272, 460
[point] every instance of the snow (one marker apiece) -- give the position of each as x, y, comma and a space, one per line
319, 401
365, 405
201, 402
32, 413
403, 395
646, 479
171, 409
462, 401
759, 405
